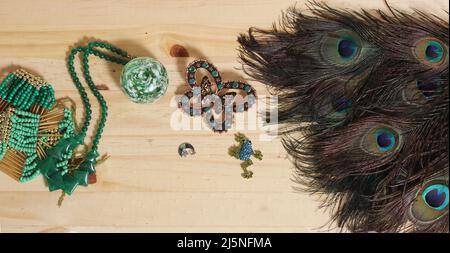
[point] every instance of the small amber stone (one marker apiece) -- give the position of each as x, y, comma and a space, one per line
92, 178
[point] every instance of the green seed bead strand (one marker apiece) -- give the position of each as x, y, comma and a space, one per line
49, 99
30, 170
3, 149
63, 166
13, 85
6, 84
14, 89
23, 133
45, 97
25, 99
6, 80
33, 97
18, 92
67, 125
23, 137
17, 100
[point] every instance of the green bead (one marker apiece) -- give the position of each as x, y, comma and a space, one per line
144, 80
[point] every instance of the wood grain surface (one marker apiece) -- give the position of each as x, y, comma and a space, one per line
145, 186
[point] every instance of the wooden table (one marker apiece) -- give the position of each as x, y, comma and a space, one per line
145, 185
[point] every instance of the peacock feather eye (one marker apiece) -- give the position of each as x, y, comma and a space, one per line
428, 88
385, 139
430, 51
420, 91
436, 196
333, 107
347, 48
343, 47
431, 201
381, 141
342, 105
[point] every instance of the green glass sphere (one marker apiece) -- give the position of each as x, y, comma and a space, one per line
144, 80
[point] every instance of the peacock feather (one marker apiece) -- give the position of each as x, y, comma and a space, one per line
363, 98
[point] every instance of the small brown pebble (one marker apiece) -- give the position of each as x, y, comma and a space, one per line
178, 51
102, 87
92, 178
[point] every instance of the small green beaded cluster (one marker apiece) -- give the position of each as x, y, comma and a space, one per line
46, 97
67, 126
23, 136
23, 133
21, 90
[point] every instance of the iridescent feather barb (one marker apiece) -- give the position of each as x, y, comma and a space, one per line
364, 96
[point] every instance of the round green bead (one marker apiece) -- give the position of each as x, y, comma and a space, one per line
144, 80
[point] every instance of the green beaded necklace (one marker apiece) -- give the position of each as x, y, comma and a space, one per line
65, 148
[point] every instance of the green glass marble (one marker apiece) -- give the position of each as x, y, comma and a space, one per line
144, 80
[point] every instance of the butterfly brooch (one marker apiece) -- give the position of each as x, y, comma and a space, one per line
214, 99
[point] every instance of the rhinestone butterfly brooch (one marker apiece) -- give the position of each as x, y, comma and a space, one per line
215, 102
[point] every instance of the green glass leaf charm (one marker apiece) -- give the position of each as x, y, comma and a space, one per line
89, 163
81, 176
70, 183
55, 182
144, 80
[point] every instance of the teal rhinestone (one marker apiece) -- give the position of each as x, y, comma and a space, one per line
215, 73
144, 80
184, 100
219, 86
205, 65
191, 69
196, 91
